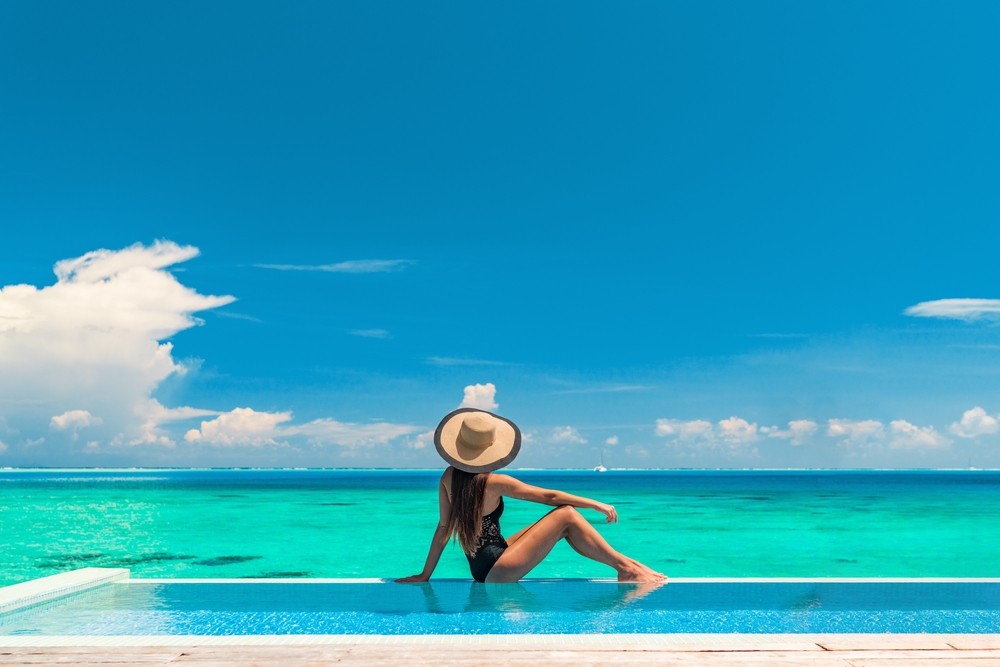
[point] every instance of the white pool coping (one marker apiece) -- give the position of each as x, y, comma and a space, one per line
42, 590
45, 589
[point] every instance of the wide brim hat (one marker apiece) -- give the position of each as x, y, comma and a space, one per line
477, 441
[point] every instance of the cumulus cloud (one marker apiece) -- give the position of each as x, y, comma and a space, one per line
798, 432
481, 396
968, 310
855, 432
423, 440
689, 431
3, 447
974, 422
154, 416
91, 341
737, 431
613, 440
242, 426
562, 434
733, 434
906, 435
248, 427
351, 266
73, 419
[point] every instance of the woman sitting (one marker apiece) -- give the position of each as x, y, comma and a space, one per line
470, 498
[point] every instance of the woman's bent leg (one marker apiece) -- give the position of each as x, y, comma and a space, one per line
535, 543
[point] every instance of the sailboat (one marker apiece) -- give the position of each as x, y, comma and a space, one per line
600, 466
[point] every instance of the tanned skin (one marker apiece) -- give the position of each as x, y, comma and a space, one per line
529, 546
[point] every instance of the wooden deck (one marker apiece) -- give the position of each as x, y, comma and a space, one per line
815, 651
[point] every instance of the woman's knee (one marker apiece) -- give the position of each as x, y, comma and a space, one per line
568, 513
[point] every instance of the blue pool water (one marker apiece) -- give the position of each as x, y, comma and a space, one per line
532, 606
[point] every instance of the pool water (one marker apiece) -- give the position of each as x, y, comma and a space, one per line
365, 523
531, 607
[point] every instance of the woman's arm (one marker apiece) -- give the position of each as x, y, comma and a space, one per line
506, 485
439, 540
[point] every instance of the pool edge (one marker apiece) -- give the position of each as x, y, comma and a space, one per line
45, 589
721, 640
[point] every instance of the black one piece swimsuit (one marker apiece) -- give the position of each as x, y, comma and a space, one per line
491, 545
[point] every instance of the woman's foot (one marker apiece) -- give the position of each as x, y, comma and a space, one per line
634, 571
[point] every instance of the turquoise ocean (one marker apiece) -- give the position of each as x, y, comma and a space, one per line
377, 523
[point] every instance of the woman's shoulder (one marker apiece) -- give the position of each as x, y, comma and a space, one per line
500, 481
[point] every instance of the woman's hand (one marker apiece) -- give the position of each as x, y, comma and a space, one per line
414, 579
608, 511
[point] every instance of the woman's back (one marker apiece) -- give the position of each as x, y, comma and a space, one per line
491, 498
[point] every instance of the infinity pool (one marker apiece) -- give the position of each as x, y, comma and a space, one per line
530, 607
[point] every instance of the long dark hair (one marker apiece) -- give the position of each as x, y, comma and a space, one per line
466, 522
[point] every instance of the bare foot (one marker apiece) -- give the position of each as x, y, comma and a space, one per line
636, 572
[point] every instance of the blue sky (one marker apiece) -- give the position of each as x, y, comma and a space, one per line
633, 221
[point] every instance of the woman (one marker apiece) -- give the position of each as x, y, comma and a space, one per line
476, 443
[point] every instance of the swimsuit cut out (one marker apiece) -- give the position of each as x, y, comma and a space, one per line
491, 545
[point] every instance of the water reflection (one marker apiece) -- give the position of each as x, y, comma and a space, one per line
447, 597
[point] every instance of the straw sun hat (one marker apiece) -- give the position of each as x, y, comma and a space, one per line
477, 441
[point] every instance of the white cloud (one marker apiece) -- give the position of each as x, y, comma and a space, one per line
974, 422
370, 333
155, 415
245, 426
33, 443
855, 433
351, 266
91, 340
733, 433
242, 426
737, 431
73, 419
3, 447
689, 431
957, 309
906, 435
332, 432
613, 440
423, 440
566, 434
480, 396
799, 431
239, 316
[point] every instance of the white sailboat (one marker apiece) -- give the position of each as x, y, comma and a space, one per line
600, 466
